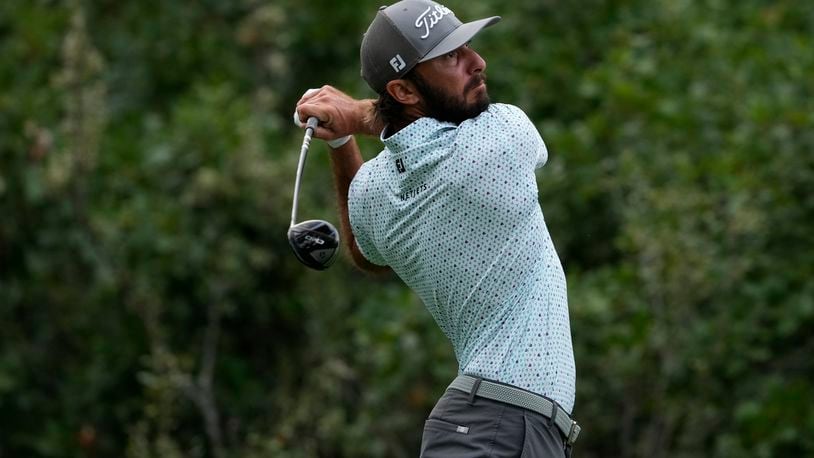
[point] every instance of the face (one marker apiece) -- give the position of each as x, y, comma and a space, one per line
453, 86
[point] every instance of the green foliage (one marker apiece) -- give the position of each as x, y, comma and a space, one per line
149, 304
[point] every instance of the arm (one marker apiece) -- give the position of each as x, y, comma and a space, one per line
345, 162
338, 113
341, 115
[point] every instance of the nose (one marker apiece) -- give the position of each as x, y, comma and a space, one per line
476, 62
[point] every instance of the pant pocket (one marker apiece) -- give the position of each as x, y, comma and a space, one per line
444, 439
542, 439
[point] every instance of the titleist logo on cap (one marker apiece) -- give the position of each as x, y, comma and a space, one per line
430, 17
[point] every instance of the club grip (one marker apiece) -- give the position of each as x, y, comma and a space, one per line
312, 123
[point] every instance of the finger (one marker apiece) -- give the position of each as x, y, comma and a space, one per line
325, 133
300, 115
308, 95
319, 111
298, 119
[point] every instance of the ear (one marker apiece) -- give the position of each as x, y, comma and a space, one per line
403, 91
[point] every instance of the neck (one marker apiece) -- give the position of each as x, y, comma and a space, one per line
411, 113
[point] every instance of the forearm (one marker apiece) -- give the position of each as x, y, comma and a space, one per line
345, 162
369, 124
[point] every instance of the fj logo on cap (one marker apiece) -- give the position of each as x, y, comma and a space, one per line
431, 16
397, 63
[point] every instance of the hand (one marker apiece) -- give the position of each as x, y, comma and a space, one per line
338, 113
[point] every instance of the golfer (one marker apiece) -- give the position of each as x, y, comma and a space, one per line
450, 205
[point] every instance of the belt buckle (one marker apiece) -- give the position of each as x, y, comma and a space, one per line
573, 433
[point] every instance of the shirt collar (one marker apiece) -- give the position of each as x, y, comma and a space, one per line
415, 133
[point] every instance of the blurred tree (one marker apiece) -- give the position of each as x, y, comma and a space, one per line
149, 305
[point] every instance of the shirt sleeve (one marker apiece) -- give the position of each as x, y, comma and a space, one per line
359, 214
540, 153
536, 151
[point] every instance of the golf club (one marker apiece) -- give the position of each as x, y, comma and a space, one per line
315, 242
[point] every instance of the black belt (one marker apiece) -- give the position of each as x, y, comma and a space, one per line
520, 398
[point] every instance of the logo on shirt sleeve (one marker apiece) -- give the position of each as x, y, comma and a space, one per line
400, 166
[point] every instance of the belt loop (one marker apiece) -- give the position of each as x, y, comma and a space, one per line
474, 390
552, 420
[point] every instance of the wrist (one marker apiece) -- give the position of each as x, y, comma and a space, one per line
366, 117
338, 142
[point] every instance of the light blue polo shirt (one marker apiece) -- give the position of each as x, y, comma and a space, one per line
453, 210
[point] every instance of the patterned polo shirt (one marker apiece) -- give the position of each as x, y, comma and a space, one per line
453, 210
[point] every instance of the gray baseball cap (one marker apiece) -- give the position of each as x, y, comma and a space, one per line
408, 32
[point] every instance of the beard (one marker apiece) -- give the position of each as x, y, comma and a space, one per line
449, 107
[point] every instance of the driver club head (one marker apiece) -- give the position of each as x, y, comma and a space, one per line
315, 243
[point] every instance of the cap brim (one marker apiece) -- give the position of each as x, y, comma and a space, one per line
459, 37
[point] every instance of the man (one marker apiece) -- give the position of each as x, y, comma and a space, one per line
450, 205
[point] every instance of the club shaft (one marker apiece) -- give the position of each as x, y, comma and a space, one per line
306, 142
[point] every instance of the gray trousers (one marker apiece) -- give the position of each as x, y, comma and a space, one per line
473, 427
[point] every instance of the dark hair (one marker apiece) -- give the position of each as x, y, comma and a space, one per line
389, 111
